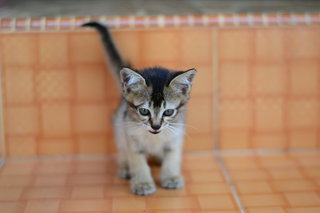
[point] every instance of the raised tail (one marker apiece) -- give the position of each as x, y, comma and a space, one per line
109, 46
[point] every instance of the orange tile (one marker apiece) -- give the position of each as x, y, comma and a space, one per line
121, 190
196, 46
89, 179
269, 79
248, 174
253, 187
263, 200
92, 118
206, 177
276, 161
236, 114
53, 50
312, 172
303, 139
303, 113
46, 193
267, 210
161, 192
12, 207
303, 199
86, 205
93, 144
218, 211
19, 49
240, 162
269, 44
165, 49
199, 162
15, 181
17, 170
269, 141
47, 180
172, 203
201, 121
19, 85
22, 120
298, 48
288, 173
236, 43
10, 194
42, 206
128, 204
269, 114
304, 77
54, 168
94, 167
129, 48
174, 211
86, 48
56, 119
22, 146
292, 185
197, 142
216, 202
234, 79
56, 147
91, 82
89, 192
202, 83
234, 139
207, 188
304, 210
53, 84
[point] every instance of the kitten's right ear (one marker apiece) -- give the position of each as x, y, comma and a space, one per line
131, 80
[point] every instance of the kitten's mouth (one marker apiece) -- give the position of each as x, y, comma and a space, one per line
154, 131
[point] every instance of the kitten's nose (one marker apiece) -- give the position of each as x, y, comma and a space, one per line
155, 127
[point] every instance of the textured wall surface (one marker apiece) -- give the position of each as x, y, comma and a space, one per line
256, 88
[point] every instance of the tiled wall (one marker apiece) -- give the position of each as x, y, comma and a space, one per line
256, 88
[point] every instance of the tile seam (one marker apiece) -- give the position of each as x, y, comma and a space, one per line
2, 138
228, 179
215, 93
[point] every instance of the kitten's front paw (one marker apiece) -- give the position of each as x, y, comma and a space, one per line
144, 188
175, 182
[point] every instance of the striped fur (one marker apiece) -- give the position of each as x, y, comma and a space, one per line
150, 119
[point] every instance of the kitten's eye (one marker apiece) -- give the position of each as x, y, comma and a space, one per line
144, 111
168, 112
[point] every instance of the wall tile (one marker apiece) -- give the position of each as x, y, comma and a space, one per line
53, 50
19, 85
22, 120
56, 119
234, 79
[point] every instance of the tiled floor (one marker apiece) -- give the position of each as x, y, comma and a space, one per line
266, 183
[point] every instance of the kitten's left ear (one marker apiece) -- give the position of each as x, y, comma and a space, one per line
183, 82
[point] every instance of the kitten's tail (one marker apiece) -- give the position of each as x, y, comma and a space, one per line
110, 48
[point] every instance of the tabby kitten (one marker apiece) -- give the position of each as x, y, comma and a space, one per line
150, 119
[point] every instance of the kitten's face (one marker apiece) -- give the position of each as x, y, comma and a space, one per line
156, 96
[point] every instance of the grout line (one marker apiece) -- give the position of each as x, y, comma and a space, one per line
229, 181
216, 92
2, 138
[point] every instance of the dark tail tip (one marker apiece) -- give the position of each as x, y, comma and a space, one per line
96, 25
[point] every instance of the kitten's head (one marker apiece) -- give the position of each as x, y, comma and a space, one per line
156, 95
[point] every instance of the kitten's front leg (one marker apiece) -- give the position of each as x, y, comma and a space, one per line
141, 181
170, 176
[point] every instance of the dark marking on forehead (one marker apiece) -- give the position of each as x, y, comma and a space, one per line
157, 78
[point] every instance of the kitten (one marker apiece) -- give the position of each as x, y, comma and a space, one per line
149, 121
